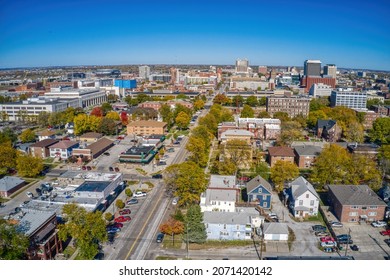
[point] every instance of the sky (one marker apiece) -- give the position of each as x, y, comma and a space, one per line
351, 34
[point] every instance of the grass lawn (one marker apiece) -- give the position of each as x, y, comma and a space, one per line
217, 244
165, 258
68, 252
141, 171
167, 242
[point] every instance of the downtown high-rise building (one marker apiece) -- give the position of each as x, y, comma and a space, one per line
312, 68
330, 70
144, 72
242, 65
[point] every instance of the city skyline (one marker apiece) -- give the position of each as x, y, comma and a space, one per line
348, 34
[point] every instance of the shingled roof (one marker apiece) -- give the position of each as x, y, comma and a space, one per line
282, 151
355, 195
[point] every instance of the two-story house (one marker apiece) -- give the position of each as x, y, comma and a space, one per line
302, 198
305, 155
259, 191
218, 200
63, 149
283, 153
41, 149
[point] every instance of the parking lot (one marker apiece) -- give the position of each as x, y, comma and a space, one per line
369, 240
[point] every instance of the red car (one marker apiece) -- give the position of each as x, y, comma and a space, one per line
122, 219
120, 138
326, 238
117, 225
385, 232
125, 212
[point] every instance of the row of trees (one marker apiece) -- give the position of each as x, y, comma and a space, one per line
239, 101
142, 97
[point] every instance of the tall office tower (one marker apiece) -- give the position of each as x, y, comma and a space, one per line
330, 70
312, 68
144, 72
242, 65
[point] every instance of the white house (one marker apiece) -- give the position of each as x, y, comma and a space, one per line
275, 232
302, 197
221, 200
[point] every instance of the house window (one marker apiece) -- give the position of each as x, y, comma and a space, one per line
260, 190
353, 214
373, 207
352, 220
364, 207
238, 227
307, 195
301, 202
264, 197
311, 202
224, 226
372, 214
354, 207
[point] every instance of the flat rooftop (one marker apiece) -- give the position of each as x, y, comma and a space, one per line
93, 186
90, 175
138, 150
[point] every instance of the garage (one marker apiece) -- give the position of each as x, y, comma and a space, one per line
275, 232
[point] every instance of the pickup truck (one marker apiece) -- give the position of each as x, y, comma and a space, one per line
139, 194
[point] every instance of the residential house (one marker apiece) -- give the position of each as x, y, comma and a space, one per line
280, 153
63, 149
305, 155
302, 198
367, 149
235, 134
90, 137
41, 149
41, 228
218, 200
328, 130
224, 182
259, 191
275, 232
146, 127
46, 134
355, 203
231, 225
94, 150
10, 185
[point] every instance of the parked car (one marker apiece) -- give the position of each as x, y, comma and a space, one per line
157, 176
132, 201
387, 241
321, 233
30, 194
161, 162
343, 236
175, 200
89, 168
354, 247
328, 250
106, 153
118, 225
125, 212
176, 143
345, 241
120, 138
326, 238
385, 232
122, 219
139, 194
160, 237
336, 224
116, 169
318, 228
111, 169
113, 230
171, 150
328, 244
379, 224
83, 167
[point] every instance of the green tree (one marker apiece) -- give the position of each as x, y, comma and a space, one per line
238, 151
28, 166
195, 230
8, 135
210, 122
108, 216
281, 172
203, 133
142, 98
290, 131
166, 114
264, 115
372, 102
315, 116
380, 131
111, 98
186, 180
331, 166
199, 151
262, 101
364, 170
221, 99
182, 120
319, 103
55, 119
107, 126
106, 107
128, 192
282, 116
263, 170
198, 104
27, 136
172, 227
237, 100
227, 167
88, 229
252, 101
120, 204
7, 157
181, 96
302, 120
247, 112
43, 119
13, 244
354, 132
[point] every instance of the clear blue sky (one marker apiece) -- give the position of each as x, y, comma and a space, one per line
352, 34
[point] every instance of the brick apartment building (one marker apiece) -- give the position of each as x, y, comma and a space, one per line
146, 127
293, 106
283, 153
41, 149
308, 81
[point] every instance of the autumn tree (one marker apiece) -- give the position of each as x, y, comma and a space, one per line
210, 122
221, 99
198, 104
238, 151
27, 136
172, 227
107, 126
166, 114
186, 180
363, 169
124, 118
97, 112
88, 229
13, 243
108, 216
28, 166
8, 135
84, 123
43, 119
227, 167
264, 115
7, 157
128, 192
354, 132
252, 101
120, 204
203, 133
198, 149
282, 116
381, 131
195, 230
106, 107
237, 100
113, 116
182, 120
290, 131
283, 171
247, 112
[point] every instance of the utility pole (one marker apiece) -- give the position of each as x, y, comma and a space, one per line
346, 249
187, 242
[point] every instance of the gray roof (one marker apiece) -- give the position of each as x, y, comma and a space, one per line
32, 221
220, 195
9, 182
300, 185
308, 150
255, 182
356, 195
327, 123
237, 132
275, 228
222, 181
232, 218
